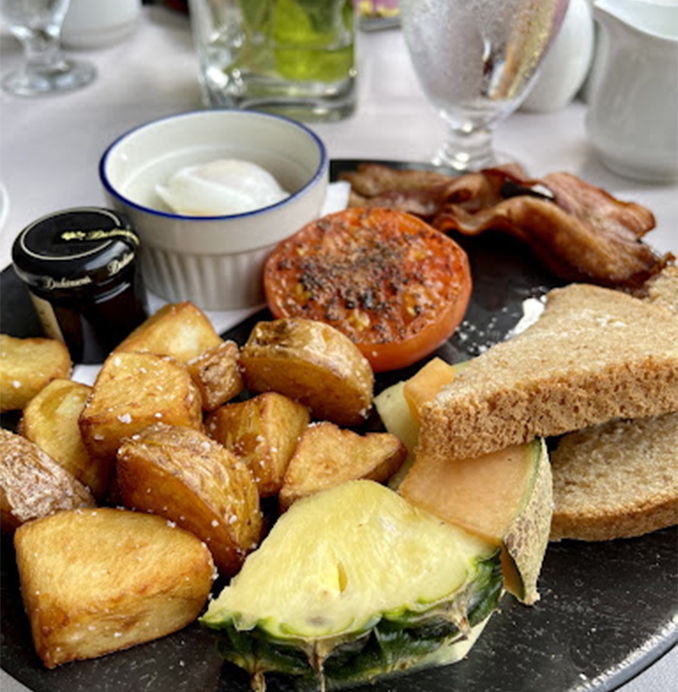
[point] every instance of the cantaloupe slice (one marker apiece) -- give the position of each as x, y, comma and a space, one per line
505, 496
426, 383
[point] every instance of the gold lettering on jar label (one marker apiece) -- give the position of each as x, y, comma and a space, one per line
100, 234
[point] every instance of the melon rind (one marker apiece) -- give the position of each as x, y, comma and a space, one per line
526, 537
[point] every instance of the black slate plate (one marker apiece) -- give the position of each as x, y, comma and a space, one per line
607, 610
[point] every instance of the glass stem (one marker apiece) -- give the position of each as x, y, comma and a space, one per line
466, 149
42, 51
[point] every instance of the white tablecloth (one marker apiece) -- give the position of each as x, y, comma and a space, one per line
50, 147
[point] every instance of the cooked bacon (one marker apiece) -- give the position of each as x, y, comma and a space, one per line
372, 179
577, 230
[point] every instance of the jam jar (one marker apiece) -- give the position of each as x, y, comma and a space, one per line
82, 271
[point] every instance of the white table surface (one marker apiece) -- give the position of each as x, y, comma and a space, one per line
50, 147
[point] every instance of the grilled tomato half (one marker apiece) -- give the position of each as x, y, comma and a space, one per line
394, 285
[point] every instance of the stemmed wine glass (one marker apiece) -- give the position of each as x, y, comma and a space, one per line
37, 24
475, 60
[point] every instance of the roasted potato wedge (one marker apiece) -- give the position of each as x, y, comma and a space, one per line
131, 392
51, 421
263, 432
216, 372
180, 330
32, 485
185, 476
28, 365
312, 363
96, 581
328, 455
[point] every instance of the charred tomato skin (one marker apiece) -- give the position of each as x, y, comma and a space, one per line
394, 285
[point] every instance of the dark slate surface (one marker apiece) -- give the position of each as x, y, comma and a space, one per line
608, 610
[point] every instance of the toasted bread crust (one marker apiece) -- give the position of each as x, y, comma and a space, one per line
597, 488
663, 289
595, 354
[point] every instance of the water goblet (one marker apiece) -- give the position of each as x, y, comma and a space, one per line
37, 25
475, 61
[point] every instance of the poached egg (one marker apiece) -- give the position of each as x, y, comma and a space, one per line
220, 188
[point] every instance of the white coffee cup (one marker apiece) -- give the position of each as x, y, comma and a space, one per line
99, 23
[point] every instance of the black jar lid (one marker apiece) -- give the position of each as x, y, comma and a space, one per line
80, 251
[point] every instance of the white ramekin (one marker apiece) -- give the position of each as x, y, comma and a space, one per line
214, 261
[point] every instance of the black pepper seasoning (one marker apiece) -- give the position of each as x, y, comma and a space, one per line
82, 271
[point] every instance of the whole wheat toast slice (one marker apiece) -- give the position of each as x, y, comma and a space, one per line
594, 354
616, 480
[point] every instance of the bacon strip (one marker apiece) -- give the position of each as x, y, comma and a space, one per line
581, 234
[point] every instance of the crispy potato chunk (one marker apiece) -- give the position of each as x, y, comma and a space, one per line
26, 366
32, 485
185, 476
97, 581
51, 421
327, 455
263, 432
217, 374
180, 330
313, 363
131, 392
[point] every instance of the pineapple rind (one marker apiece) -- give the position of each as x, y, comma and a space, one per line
392, 645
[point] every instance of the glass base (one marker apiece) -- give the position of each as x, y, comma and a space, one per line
463, 165
303, 110
308, 102
66, 76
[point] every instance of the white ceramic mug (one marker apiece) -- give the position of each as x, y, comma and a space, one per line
567, 64
99, 23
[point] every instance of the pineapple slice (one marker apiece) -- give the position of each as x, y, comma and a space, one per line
352, 583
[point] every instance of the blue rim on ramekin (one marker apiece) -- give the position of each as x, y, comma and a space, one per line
317, 176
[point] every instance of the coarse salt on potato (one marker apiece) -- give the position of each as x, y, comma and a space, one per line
132, 391
183, 475
97, 581
51, 421
27, 365
263, 432
328, 455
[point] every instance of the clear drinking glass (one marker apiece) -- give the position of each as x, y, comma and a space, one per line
37, 24
475, 60
292, 57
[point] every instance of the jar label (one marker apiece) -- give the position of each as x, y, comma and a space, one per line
47, 317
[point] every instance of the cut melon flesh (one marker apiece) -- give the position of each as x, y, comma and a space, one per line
505, 496
483, 494
358, 581
426, 383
